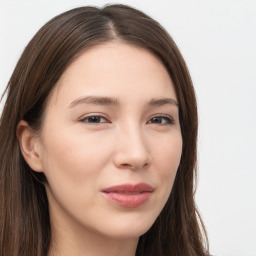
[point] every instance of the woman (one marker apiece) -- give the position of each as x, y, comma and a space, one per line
98, 141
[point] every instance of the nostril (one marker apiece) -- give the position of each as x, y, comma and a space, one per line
126, 165
129, 166
134, 166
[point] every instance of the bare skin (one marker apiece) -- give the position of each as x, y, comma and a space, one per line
112, 119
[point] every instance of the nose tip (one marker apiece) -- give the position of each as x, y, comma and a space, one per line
133, 163
132, 153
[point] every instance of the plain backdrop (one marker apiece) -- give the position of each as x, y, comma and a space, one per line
218, 41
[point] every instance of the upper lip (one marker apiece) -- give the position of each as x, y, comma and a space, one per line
129, 188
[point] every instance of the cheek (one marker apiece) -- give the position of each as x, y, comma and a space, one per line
168, 153
74, 154
73, 168
167, 159
72, 165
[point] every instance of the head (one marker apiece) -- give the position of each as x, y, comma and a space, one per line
39, 80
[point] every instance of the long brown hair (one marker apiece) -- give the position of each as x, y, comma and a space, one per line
24, 217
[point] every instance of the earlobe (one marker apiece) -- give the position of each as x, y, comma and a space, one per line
29, 146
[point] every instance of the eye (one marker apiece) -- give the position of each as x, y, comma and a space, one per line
161, 120
94, 119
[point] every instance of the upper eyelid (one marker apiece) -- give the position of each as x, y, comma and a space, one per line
171, 120
159, 114
92, 114
83, 120
162, 115
108, 118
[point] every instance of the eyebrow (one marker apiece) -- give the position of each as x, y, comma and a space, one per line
94, 100
163, 101
99, 100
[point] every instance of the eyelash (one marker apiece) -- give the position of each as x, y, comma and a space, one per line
167, 120
97, 119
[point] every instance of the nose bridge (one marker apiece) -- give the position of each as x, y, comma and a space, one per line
132, 150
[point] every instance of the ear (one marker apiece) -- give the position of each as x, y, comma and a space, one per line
30, 146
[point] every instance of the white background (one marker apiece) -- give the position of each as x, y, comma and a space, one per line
218, 41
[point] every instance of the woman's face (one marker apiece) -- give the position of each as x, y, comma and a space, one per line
110, 142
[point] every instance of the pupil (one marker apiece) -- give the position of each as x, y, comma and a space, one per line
94, 119
156, 120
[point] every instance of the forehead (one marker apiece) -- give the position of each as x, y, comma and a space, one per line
116, 69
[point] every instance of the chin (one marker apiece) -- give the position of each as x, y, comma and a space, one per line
129, 228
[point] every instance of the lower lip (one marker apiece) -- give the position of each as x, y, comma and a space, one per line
128, 200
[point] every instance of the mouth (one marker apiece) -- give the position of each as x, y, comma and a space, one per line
128, 195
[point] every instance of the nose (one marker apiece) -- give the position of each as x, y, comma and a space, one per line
132, 151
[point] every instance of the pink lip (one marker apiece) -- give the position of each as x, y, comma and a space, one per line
128, 195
